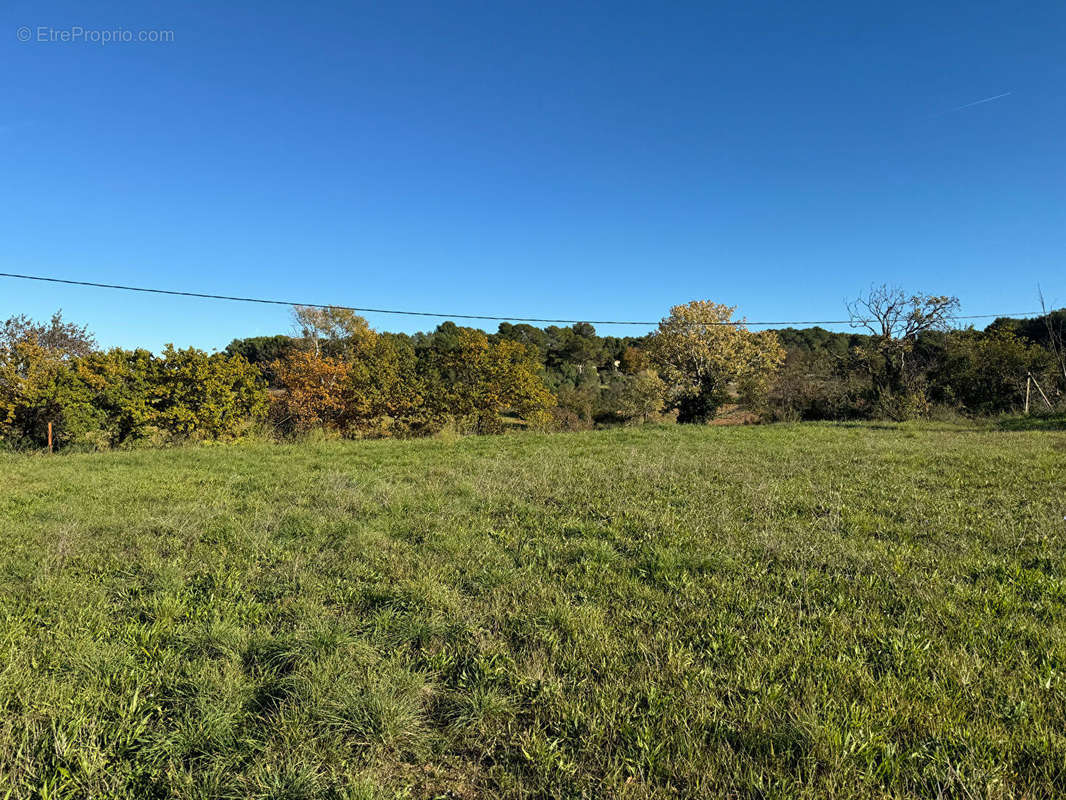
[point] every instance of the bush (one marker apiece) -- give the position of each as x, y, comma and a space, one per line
901, 406
818, 385
985, 373
102, 400
203, 396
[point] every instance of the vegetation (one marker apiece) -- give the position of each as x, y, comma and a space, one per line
378, 385
53, 374
703, 352
793, 610
337, 375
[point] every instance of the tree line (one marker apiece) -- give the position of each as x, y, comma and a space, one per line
336, 374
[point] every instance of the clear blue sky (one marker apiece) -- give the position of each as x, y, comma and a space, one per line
535, 159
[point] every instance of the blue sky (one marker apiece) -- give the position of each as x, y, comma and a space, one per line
538, 159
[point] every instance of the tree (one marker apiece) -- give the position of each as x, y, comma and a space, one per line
819, 384
895, 320
704, 353
37, 388
526, 334
262, 352
51, 373
638, 397
475, 381
337, 331
36, 384
384, 394
633, 360
312, 396
986, 372
206, 396
63, 340
122, 387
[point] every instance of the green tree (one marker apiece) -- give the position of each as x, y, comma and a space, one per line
986, 372
262, 351
37, 385
122, 386
384, 393
635, 398
206, 396
476, 381
37, 388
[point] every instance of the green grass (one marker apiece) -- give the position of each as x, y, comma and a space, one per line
792, 610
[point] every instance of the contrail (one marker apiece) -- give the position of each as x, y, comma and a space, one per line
974, 103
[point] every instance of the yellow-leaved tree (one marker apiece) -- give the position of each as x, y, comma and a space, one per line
705, 355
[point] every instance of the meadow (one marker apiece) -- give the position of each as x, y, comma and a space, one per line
802, 610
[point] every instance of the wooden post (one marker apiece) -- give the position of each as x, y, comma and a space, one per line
1028, 387
1048, 402
49, 437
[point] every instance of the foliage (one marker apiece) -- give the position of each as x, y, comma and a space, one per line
819, 340
64, 340
634, 360
35, 382
476, 380
385, 394
312, 395
819, 384
206, 396
340, 376
986, 372
38, 387
576, 406
339, 332
122, 385
635, 398
895, 320
703, 352
262, 351
1048, 331
51, 374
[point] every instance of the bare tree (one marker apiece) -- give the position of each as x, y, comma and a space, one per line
63, 339
889, 313
895, 319
1055, 334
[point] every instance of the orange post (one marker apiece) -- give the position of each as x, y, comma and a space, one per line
49, 437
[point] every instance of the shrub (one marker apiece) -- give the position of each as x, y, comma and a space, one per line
204, 396
986, 372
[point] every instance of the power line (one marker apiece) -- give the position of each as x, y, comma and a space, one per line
487, 317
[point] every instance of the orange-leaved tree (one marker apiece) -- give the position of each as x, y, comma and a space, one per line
312, 392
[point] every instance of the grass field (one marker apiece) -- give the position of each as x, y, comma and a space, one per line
778, 611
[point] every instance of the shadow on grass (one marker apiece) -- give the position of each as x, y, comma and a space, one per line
1035, 422
922, 427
